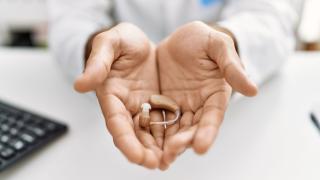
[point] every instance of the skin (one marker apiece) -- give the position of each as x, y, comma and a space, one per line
197, 66
122, 70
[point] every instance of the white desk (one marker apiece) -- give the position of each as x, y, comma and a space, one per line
267, 137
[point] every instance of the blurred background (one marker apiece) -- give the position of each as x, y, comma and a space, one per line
23, 23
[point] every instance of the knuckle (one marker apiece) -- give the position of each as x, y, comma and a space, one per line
113, 118
194, 26
226, 67
225, 40
108, 36
220, 42
197, 23
99, 37
133, 39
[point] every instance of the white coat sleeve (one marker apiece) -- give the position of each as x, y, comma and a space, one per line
71, 23
265, 33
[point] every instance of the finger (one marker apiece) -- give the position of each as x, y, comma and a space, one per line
171, 129
182, 139
186, 120
153, 153
197, 116
99, 62
172, 147
210, 120
120, 126
157, 131
177, 144
222, 50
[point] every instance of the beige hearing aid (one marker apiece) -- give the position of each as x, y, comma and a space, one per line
144, 118
163, 103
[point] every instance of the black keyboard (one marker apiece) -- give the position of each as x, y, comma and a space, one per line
22, 132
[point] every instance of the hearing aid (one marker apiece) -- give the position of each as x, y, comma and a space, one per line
160, 102
144, 119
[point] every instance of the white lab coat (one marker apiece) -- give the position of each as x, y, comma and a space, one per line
264, 29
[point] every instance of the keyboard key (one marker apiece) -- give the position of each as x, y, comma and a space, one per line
7, 153
50, 126
1, 146
11, 120
4, 128
3, 116
26, 117
17, 144
36, 130
27, 138
37, 120
19, 124
13, 131
4, 138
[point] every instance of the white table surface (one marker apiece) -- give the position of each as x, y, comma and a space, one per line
266, 137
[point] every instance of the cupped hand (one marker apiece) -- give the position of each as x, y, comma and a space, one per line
122, 70
198, 67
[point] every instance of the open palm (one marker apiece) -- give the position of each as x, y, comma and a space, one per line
196, 66
122, 70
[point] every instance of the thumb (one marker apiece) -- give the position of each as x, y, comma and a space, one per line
230, 65
98, 64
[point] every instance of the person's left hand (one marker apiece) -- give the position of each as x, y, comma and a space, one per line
122, 70
197, 65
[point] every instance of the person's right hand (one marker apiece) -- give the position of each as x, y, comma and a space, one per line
123, 72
